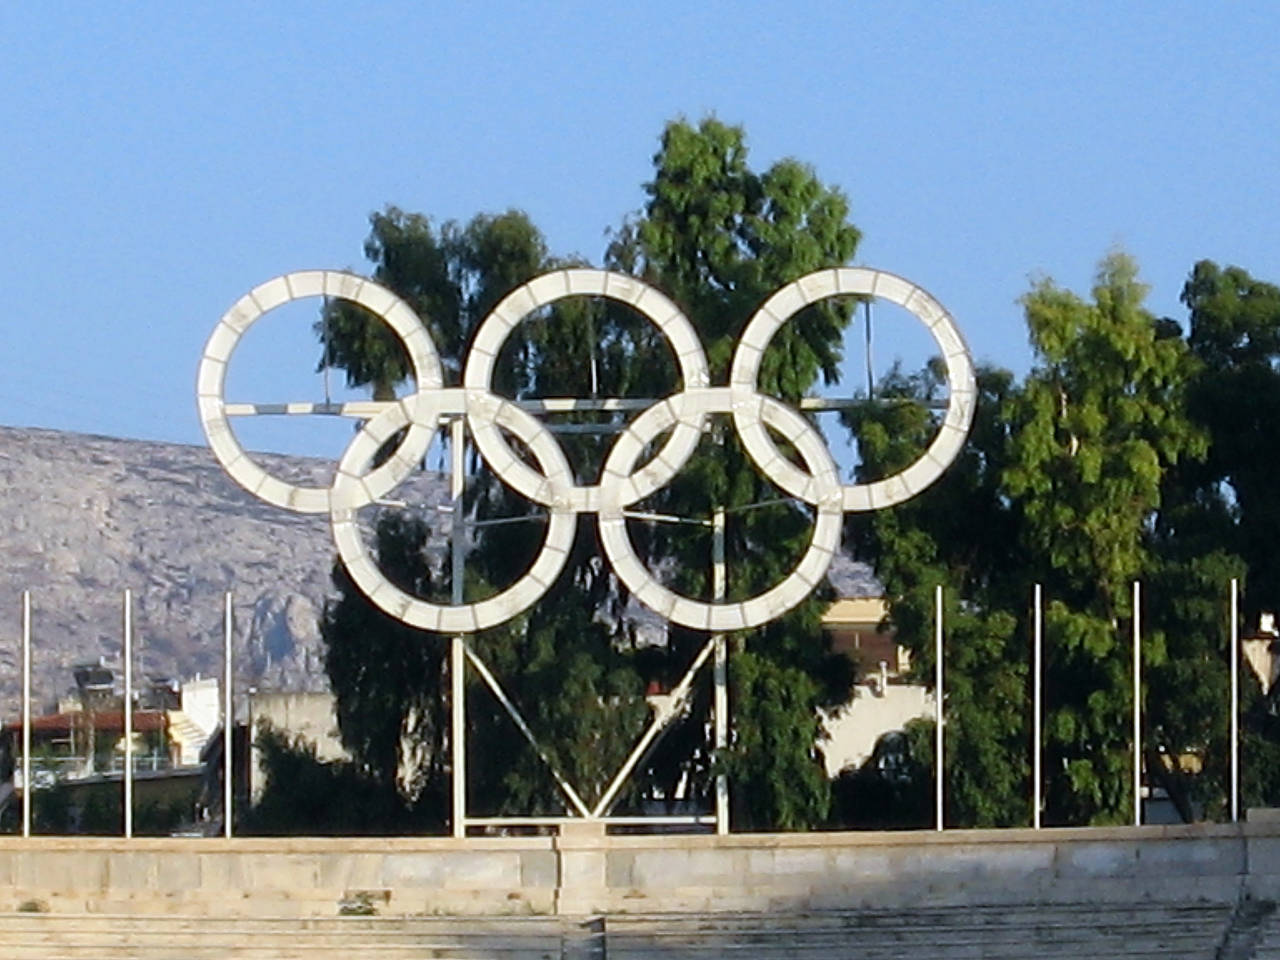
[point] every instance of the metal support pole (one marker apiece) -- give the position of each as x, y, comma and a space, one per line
866, 316
26, 713
457, 648
1137, 705
1235, 700
721, 672
1037, 705
937, 706
663, 716
228, 718
487, 676
128, 713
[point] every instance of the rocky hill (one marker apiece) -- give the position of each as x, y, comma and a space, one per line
84, 517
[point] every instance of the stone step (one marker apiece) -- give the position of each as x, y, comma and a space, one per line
1132, 932
1268, 947
804, 947
1135, 927
241, 952
984, 916
801, 951
254, 926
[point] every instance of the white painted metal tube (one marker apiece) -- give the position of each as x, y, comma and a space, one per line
228, 719
720, 671
1037, 669
1234, 634
679, 695
1137, 704
491, 681
26, 713
128, 713
457, 649
457, 727
937, 707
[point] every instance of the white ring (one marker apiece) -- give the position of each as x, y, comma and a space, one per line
482, 404
211, 381
841, 281
824, 489
349, 493
552, 482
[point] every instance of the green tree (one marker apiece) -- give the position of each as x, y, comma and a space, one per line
555, 661
1235, 334
389, 683
960, 534
1069, 479
1100, 421
718, 237
1228, 512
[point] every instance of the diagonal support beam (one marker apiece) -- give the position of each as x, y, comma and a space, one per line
662, 718
514, 713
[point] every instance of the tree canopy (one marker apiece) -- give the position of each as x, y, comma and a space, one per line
718, 237
1131, 451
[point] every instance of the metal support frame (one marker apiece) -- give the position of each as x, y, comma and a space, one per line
1234, 634
486, 674
128, 713
457, 645
1137, 704
720, 708
488, 414
461, 654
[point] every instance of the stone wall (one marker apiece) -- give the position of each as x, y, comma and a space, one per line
585, 873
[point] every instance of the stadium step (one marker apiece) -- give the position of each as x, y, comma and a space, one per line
1135, 931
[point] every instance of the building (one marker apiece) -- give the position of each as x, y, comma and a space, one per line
80, 745
884, 698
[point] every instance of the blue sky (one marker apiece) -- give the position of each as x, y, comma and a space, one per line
158, 160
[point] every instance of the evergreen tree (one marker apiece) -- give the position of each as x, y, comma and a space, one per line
1062, 483
717, 237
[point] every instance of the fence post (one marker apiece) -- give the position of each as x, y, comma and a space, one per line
1137, 704
937, 707
1235, 700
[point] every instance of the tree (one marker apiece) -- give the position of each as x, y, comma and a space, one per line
388, 678
961, 534
1068, 480
1228, 508
718, 237
1235, 334
1100, 420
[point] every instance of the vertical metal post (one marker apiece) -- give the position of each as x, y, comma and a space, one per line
457, 651
1037, 679
228, 719
1137, 705
26, 713
1235, 700
721, 671
937, 706
866, 316
128, 713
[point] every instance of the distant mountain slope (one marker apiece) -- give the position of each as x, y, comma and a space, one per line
84, 517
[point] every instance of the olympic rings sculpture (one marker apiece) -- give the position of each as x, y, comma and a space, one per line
552, 484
